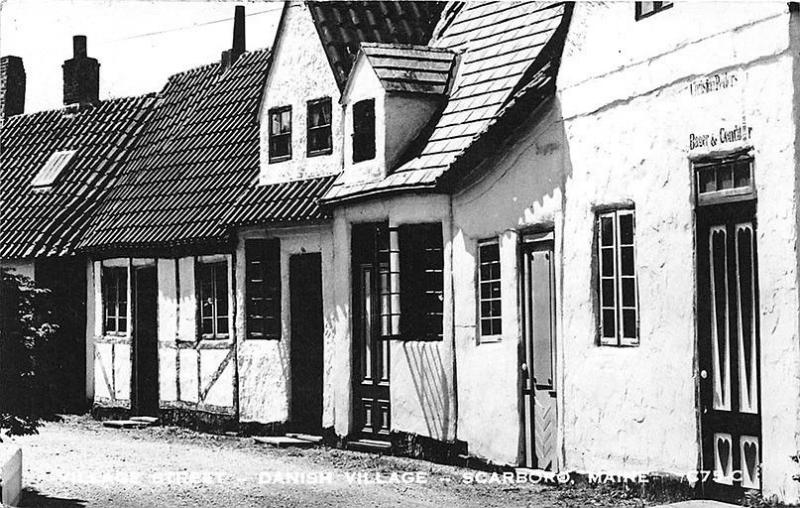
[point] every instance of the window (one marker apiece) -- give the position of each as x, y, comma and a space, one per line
619, 305
213, 299
364, 130
645, 9
490, 315
53, 167
280, 134
421, 281
263, 288
115, 300
727, 179
319, 127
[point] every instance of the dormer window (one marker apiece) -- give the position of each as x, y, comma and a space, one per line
645, 9
364, 130
320, 141
53, 167
280, 134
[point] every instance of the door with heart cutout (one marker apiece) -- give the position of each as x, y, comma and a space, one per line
728, 349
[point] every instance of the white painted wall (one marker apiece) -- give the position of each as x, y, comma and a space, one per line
628, 114
265, 364
519, 188
300, 72
422, 384
363, 84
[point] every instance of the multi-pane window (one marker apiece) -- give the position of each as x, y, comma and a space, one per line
319, 127
490, 315
421, 281
280, 134
213, 299
364, 130
263, 288
644, 9
115, 299
619, 306
725, 179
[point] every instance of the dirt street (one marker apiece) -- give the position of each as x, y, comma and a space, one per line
77, 462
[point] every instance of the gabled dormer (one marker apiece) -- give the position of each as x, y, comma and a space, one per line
300, 114
394, 94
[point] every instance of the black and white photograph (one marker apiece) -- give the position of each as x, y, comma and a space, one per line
475, 253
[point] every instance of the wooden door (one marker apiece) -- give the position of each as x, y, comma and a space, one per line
538, 359
145, 341
305, 286
371, 331
728, 349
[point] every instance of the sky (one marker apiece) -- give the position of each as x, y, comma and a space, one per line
139, 43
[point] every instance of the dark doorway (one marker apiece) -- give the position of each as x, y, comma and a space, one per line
370, 275
144, 392
305, 286
728, 349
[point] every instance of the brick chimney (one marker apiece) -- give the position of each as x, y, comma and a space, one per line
81, 75
12, 87
230, 56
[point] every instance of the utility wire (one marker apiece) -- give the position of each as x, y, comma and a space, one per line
196, 25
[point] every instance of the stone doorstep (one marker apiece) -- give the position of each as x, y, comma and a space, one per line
125, 424
370, 445
283, 441
697, 503
305, 437
150, 420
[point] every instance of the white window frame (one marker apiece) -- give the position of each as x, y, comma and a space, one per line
618, 339
482, 339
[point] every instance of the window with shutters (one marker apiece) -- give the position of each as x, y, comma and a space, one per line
263, 288
489, 302
421, 281
319, 127
115, 300
364, 130
212, 284
616, 278
280, 134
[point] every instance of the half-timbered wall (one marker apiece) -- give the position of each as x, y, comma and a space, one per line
640, 100
194, 373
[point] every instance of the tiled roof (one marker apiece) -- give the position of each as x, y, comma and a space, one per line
195, 158
503, 47
283, 202
51, 220
342, 26
408, 68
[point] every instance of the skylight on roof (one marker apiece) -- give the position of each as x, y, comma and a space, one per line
52, 168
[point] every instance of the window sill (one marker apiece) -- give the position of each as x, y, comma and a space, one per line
283, 158
262, 337
319, 153
489, 339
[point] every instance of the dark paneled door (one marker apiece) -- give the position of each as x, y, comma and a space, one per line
728, 349
144, 394
307, 349
371, 331
537, 367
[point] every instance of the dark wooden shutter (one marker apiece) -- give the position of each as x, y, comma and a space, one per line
263, 288
421, 281
364, 130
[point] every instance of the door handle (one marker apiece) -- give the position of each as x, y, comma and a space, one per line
524, 367
704, 374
